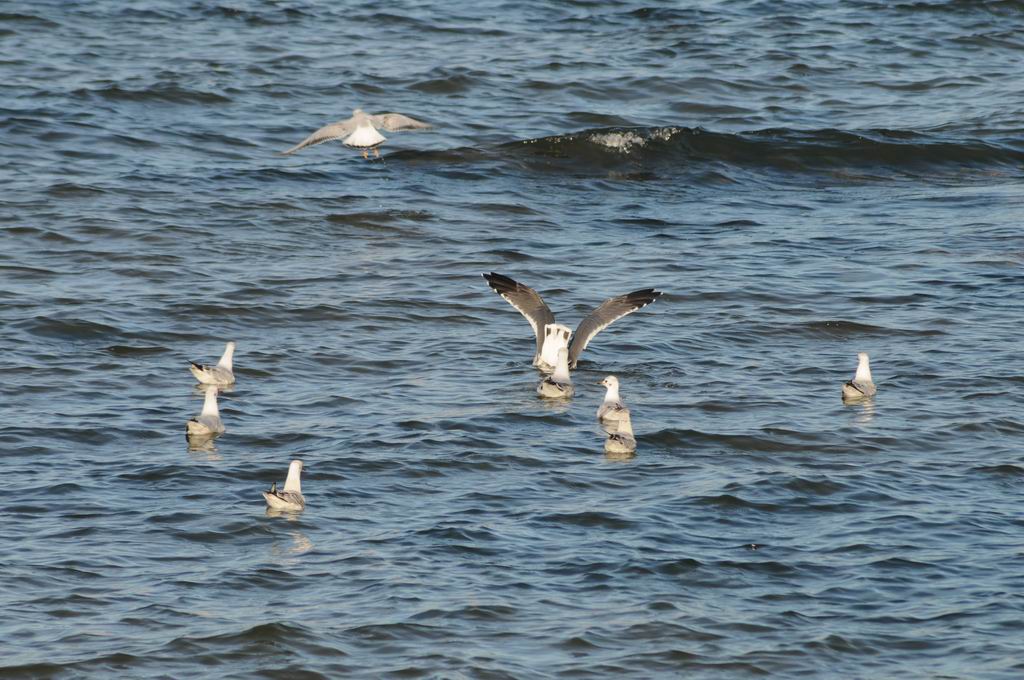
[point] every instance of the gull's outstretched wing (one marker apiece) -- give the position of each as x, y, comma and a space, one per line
610, 310
339, 130
394, 122
524, 299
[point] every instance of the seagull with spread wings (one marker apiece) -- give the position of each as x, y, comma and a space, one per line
552, 336
360, 131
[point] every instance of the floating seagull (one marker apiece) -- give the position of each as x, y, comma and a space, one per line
623, 440
208, 422
558, 385
360, 131
291, 498
861, 386
612, 410
221, 374
552, 336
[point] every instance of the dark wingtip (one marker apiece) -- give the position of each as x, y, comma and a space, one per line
199, 366
643, 297
499, 282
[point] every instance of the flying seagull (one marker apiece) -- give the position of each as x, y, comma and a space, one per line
291, 497
552, 336
861, 386
221, 374
360, 131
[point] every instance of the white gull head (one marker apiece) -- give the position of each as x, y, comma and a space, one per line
292, 482
227, 357
863, 368
612, 383
612, 411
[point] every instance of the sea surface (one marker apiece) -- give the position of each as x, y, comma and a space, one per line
804, 180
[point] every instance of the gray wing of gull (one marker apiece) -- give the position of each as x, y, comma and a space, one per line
867, 389
339, 130
290, 497
524, 299
610, 310
610, 422
395, 122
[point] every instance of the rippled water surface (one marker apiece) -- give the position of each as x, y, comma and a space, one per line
804, 180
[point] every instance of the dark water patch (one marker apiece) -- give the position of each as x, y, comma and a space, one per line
72, 190
404, 632
132, 141
604, 520
32, 670
15, 18
281, 16
169, 93
822, 487
963, 7
385, 221
679, 440
844, 329
41, 234
28, 272
735, 502
446, 84
893, 299
68, 329
505, 209
738, 223
677, 567
1004, 470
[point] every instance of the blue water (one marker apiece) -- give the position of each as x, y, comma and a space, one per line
804, 181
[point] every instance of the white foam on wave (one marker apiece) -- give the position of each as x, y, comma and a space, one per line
626, 140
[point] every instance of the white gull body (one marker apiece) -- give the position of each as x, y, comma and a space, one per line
360, 131
208, 422
220, 374
612, 410
623, 441
558, 385
552, 336
291, 497
861, 386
